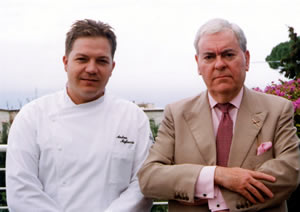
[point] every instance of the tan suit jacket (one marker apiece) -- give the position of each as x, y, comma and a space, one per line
186, 143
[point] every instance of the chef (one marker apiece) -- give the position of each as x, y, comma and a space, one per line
79, 149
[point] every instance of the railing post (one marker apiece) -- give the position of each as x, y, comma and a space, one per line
3, 148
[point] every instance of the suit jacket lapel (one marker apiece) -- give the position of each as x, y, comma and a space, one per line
199, 120
249, 121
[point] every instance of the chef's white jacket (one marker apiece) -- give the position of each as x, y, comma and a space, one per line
64, 157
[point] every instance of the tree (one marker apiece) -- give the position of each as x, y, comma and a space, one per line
286, 56
154, 127
4, 133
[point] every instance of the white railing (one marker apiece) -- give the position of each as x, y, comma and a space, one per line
160, 203
3, 149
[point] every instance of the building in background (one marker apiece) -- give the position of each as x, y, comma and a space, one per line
6, 118
153, 113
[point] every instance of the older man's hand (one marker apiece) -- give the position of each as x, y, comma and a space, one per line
244, 181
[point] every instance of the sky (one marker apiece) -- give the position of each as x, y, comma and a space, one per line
155, 54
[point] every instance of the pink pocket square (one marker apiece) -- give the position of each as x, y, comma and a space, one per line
265, 146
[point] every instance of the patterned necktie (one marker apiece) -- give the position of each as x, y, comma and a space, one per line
224, 134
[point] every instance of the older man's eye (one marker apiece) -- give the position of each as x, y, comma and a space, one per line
209, 57
229, 55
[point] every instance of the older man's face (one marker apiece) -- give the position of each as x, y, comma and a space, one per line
222, 63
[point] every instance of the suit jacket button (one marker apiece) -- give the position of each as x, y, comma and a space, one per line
248, 204
204, 195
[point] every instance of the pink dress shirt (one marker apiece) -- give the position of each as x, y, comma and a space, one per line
205, 188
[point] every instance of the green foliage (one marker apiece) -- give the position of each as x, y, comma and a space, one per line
4, 133
154, 128
286, 56
159, 208
289, 90
277, 53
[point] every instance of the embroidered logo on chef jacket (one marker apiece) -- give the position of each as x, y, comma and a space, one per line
123, 139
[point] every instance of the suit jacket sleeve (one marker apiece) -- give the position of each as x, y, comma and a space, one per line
161, 176
284, 164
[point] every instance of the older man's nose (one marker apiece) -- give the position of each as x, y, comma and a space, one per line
220, 64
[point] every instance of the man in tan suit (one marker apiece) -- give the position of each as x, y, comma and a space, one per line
207, 158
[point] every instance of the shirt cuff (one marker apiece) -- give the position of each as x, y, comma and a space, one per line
205, 189
218, 203
205, 183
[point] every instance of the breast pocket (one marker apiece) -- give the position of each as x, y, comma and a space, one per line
121, 165
255, 161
